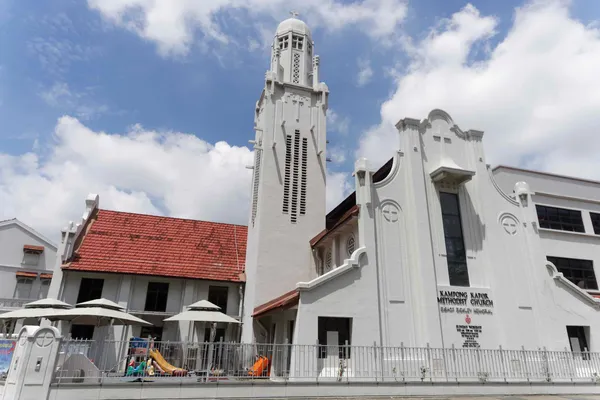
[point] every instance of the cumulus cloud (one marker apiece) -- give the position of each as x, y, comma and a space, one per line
143, 171
365, 72
172, 24
337, 123
535, 93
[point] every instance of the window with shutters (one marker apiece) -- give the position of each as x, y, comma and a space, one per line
255, 179
303, 176
295, 177
287, 174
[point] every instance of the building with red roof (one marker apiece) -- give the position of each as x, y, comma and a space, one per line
154, 267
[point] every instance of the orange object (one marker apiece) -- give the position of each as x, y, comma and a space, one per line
260, 366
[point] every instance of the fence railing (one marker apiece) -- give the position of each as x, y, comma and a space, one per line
101, 361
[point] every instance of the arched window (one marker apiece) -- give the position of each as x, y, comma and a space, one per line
350, 244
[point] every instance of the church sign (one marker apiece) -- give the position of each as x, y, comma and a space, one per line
465, 302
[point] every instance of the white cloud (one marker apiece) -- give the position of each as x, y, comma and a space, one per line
365, 72
536, 93
337, 123
80, 103
172, 24
142, 171
338, 187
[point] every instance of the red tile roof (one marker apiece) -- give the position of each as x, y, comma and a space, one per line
352, 212
140, 244
284, 301
25, 274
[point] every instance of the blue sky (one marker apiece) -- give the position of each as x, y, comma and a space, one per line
117, 70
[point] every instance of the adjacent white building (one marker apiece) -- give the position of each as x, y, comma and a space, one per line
26, 263
434, 248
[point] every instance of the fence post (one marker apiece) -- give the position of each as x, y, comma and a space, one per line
375, 359
403, 362
525, 362
456, 370
503, 364
547, 366
429, 362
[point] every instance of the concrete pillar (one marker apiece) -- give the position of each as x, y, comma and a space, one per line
33, 364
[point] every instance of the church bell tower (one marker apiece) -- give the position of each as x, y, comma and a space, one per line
288, 184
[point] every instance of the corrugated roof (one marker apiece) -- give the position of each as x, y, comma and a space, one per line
140, 244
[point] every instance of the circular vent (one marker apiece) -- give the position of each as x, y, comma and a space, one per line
350, 244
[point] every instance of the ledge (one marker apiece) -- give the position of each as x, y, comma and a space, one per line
451, 173
568, 232
348, 265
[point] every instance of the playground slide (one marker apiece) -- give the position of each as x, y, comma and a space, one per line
164, 365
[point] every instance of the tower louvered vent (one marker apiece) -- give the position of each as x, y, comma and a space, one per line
257, 159
303, 176
296, 68
295, 170
286, 179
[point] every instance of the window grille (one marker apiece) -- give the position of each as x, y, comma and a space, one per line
303, 176
294, 212
328, 261
350, 244
286, 179
296, 69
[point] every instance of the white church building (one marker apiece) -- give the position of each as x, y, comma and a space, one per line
435, 248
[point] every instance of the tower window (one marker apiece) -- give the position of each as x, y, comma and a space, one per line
455, 244
297, 42
283, 42
256, 178
308, 48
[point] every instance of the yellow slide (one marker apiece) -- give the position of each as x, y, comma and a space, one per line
164, 365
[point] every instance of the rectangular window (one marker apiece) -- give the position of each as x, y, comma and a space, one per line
579, 272
283, 42
156, 296
297, 42
453, 236
154, 332
334, 334
595, 222
578, 339
90, 289
82, 332
560, 219
23, 288
218, 296
45, 285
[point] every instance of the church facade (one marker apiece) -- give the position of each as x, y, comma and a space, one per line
435, 248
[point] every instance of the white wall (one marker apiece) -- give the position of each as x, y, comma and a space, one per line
12, 239
393, 295
130, 292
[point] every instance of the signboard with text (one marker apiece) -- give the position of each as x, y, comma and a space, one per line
467, 317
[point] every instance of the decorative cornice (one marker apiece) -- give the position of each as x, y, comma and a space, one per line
571, 287
348, 265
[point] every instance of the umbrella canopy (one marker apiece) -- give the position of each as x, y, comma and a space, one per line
203, 311
98, 312
43, 308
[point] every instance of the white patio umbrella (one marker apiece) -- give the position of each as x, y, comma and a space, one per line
43, 308
204, 311
98, 312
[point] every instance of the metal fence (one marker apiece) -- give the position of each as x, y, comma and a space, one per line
92, 361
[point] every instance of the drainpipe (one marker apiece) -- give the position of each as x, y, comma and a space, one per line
241, 311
